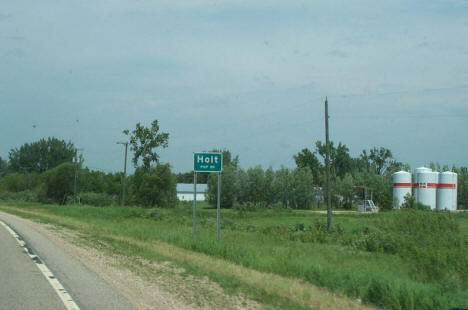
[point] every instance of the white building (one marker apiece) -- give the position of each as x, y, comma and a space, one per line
185, 192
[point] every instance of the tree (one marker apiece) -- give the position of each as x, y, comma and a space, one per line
381, 158
306, 158
340, 160
256, 184
242, 186
154, 186
187, 177
301, 188
345, 188
13, 182
229, 187
462, 195
41, 155
362, 163
380, 185
271, 192
144, 140
3, 166
58, 183
229, 181
228, 158
282, 186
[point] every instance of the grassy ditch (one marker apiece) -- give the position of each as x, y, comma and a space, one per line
394, 260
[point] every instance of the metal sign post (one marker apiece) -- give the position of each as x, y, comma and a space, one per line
218, 211
207, 162
194, 205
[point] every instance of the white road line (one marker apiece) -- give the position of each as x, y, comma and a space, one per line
61, 292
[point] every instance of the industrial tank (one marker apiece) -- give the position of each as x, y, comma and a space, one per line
401, 187
426, 190
447, 191
417, 171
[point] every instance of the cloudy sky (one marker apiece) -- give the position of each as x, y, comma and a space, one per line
250, 76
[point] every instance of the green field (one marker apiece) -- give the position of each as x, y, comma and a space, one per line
394, 260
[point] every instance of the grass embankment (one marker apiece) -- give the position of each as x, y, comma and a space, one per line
396, 260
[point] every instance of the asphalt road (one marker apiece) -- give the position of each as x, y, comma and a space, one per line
23, 286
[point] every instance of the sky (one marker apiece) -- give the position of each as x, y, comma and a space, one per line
248, 76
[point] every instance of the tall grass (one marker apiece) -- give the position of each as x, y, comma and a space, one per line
396, 260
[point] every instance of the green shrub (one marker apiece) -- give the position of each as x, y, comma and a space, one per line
433, 240
14, 182
57, 184
411, 203
249, 206
155, 214
276, 206
380, 242
5, 195
154, 187
26, 195
97, 199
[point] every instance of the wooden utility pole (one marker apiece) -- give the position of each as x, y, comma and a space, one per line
122, 202
327, 164
75, 185
76, 176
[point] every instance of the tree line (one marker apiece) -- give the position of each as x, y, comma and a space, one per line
303, 187
368, 175
50, 171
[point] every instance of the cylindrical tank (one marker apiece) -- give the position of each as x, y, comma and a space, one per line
401, 187
447, 191
427, 188
417, 171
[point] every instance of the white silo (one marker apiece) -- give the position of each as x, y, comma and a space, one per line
447, 191
401, 187
427, 188
417, 171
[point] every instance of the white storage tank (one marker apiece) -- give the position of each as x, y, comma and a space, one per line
417, 171
401, 187
426, 190
447, 191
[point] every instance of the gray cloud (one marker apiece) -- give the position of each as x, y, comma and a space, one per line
14, 52
338, 53
4, 16
15, 38
250, 77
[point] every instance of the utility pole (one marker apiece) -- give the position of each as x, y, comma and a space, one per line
327, 164
194, 204
76, 174
122, 202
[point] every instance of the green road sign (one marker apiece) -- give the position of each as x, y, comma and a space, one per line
207, 162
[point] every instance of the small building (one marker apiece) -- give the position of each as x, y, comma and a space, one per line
185, 191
